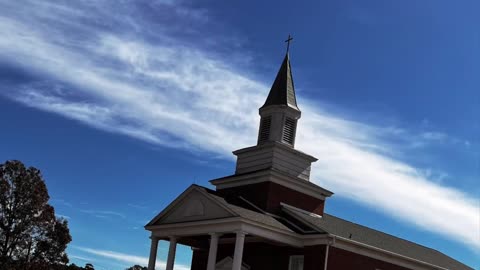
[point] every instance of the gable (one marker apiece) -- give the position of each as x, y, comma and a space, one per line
193, 205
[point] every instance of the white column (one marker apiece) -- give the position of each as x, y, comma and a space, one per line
153, 253
237, 256
171, 252
212, 252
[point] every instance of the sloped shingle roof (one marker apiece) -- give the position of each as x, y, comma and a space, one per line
346, 229
246, 213
283, 90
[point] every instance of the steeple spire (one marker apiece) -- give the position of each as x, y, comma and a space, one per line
279, 114
283, 89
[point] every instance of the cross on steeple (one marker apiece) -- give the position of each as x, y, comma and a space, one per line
279, 114
289, 39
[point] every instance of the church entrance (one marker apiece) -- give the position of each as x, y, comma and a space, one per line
227, 263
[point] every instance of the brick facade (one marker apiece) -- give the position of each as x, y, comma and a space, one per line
269, 195
314, 257
339, 259
263, 256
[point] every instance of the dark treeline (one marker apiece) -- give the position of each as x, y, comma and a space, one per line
31, 236
44, 266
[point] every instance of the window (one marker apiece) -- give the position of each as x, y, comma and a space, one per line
289, 131
264, 133
296, 262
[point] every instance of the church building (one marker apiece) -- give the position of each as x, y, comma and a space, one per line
268, 215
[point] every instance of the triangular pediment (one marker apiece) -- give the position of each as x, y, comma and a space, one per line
194, 204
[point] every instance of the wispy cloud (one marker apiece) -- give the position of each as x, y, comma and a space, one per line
62, 216
87, 260
157, 88
137, 206
81, 258
128, 258
103, 213
61, 202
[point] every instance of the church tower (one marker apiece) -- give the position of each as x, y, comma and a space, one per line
273, 172
268, 215
279, 114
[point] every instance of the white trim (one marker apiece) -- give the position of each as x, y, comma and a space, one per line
315, 239
202, 227
250, 239
300, 210
171, 253
297, 184
153, 253
383, 255
229, 225
271, 144
357, 247
238, 251
325, 267
279, 237
369, 251
212, 251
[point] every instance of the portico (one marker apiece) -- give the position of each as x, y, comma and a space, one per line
212, 252
212, 222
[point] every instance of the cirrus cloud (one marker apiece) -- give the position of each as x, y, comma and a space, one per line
157, 88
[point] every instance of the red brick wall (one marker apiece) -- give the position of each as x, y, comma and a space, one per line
339, 259
256, 193
263, 256
314, 258
199, 259
259, 256
278, 194
268, 196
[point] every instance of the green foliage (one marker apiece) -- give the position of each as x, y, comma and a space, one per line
72, 266
137, 267
30, 234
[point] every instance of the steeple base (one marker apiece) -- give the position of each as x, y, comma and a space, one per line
269, 188
274, 155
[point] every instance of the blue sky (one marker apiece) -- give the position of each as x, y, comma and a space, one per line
124, 104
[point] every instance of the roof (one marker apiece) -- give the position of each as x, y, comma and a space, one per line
233, 209
246, 213
283, 90
346, 229
342, 228
316, 188
329, 224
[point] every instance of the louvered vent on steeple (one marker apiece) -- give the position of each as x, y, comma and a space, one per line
265, 126
289, 131
280, 113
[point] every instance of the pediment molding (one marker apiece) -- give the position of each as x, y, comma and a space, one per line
192, 205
